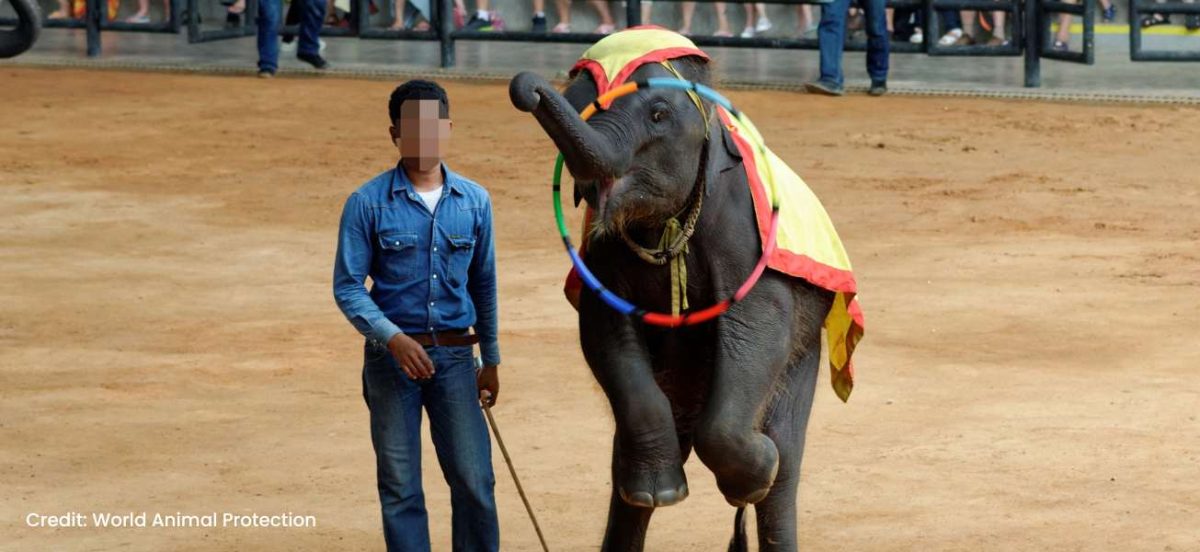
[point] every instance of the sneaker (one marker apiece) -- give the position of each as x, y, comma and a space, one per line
824, 88
918, 37
290, 45
1060, 46
539, 24
315, 60
1110, 13
265, 74
747, 32
478, 24
950, 37
878, 88
763, 25
1155, 19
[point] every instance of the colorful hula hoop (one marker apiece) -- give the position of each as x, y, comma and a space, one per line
612, 299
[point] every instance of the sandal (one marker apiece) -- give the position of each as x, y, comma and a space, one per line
950, 37
604, 29
1155, 19
561, 28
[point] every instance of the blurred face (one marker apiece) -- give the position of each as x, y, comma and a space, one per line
421, 135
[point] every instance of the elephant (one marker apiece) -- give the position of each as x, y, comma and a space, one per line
17, 40
737, 390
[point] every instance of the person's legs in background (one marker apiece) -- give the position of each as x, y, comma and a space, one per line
805, 26
951, 27
878, 45
722, 20
268, 37
831, 34
607, 25
686, 10
312, 17
460, 437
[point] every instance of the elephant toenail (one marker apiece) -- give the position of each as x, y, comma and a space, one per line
640, 499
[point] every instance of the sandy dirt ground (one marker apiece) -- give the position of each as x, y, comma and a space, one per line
1030, 274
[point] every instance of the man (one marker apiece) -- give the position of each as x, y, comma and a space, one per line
309, 51
831, 35
424, 236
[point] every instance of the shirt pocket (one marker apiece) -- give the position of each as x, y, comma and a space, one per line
398, 256
462, 250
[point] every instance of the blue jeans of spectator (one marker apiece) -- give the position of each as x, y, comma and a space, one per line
460, 438
311, 18
831, 35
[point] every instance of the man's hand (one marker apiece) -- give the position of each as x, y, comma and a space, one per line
411, 357
489, 385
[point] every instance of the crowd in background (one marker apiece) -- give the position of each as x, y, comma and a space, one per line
966, 27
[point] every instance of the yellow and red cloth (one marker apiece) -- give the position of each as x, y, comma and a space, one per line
808, 245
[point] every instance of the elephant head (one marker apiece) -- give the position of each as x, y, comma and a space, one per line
29, 24
636, 162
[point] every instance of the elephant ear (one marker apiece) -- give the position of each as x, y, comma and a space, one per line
727, 155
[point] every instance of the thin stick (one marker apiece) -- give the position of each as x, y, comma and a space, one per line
520, 490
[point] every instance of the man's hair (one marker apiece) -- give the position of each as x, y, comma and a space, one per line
418, 90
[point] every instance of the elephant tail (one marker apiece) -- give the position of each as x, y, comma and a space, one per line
738, 543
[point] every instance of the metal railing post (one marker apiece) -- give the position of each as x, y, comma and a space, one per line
1033, 44
445, 26
94, 12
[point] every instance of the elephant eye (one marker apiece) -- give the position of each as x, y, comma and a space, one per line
658, 115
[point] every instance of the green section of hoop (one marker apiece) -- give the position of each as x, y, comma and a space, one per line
558, 211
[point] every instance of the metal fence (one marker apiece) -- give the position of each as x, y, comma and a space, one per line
1030, 20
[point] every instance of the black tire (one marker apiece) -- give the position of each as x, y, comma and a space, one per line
29, 25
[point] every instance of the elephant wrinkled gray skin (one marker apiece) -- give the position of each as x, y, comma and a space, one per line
29, 24
739, 389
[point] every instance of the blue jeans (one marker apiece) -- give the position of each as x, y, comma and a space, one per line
460, 437
311, 17
831, 35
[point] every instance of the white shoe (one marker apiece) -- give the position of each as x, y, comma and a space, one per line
291, 46
950, 37
748, 32
763, 25
917, 37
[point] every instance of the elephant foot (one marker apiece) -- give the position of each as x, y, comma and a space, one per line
654, 488
745, 473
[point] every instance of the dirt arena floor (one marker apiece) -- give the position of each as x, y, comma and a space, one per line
1030, 274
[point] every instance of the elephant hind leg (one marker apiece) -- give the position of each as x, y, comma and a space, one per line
786, 423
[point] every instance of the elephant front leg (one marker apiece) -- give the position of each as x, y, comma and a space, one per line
647, 462
752, 351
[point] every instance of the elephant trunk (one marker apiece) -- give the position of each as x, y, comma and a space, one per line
589, 154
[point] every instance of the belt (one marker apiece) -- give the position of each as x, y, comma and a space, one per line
449, 338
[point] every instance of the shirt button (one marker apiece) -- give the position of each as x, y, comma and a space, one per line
435, 276
435, 248
431, 303
396, 243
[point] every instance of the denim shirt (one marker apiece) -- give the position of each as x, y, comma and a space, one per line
430, 272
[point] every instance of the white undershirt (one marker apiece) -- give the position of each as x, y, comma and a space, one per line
431, 197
